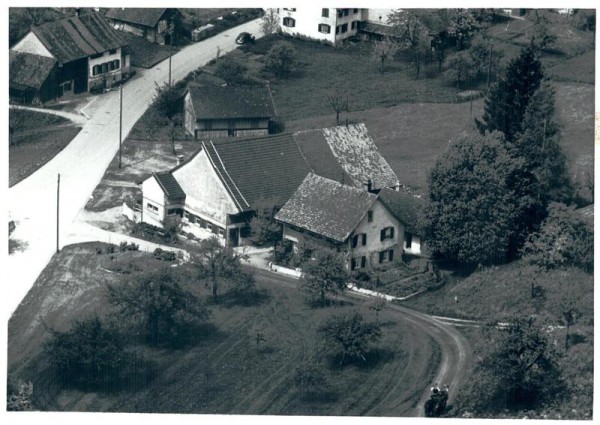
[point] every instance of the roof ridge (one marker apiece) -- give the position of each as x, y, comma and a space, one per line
221, 176
230, 178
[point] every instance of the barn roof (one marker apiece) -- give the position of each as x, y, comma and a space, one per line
76, 37
326, 207
254, 170
28, 70
403, 206
242, 101
145, 16
346, 154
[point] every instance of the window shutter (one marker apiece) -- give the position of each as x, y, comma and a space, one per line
382, 235
381, 255
353, 264
391, 254
364, 239
363, 262
391, 233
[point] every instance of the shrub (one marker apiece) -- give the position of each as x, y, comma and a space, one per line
110, 249
163, 255
281, 59
310, 380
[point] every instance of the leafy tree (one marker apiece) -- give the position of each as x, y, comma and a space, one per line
157, 302
88, 355
383, 50
462, 27
409, 28
486, 58
220, 265
475, 202
231, 71
167, 100
339, 103
269, 23
350, 335
563, 240
324, 273
264, 230
584, 19
518, 370
539, 145
461, 69
507, 100
18, 396
281, 59
542, 35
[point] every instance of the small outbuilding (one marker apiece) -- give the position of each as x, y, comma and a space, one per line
154, 24
32, 78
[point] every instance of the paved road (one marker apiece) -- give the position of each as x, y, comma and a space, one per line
32, 202
456, 356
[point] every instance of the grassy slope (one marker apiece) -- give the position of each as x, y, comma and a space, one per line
39, 139
225, 372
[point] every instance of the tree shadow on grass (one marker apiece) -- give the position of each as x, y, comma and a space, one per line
318, 303
244, 298
193, 335
373, 359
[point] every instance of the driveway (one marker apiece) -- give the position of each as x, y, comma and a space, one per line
32, 202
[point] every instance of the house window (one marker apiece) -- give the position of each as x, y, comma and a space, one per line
387, 233
325, 13
360, 238
67, 86
353, 25
104, 67
96, 69
291, 10
345, 12
215, 229
221, 231
112, 52
353, 264
370, 216
358, 263
114, 65
324, 28
408, 239
337, 29
151, 207
363, 262
340, 12
355, 11
289, 22
387, 255
344, 28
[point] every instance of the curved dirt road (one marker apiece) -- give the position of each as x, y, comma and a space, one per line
406, 397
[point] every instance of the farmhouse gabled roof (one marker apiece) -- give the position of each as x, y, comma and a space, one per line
258, 169
78, 37
145, 16
403, 206
28, 70
242, 101
346, 153
169, 185
326, 207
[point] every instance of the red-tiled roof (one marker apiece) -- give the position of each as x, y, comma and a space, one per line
169, 185
326, 207
28, 70
78, 37
244, 101
254, 170
145, 16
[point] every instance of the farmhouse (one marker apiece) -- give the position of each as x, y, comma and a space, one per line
212, 112
88, 52
326, 213
330, 24
32, 78
154, 24
220, 187
223, 183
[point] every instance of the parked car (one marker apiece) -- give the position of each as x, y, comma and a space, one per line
244, 37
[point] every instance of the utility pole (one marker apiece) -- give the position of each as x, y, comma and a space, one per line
172, 34
120, 124
57, 212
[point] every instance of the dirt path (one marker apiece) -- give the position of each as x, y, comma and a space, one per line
76, 119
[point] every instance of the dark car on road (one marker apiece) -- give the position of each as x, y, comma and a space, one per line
244, 37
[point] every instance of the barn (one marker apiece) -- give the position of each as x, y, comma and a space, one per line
153, 24
32, 78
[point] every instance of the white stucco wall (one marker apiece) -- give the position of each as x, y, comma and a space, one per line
376, 16
31, 44
308, 20
205, 194
381, 219
415, 247
152, 193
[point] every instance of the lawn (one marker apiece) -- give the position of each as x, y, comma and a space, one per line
226, 371
349, 69
37, 140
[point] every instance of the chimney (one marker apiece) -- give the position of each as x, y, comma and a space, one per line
369, 185
77, 11
180, 159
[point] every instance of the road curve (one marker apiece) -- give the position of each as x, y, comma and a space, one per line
456, 354
82, 163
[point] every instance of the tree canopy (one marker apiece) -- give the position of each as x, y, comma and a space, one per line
324, 273
507, 100
159, 305
478, 194
281, 59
